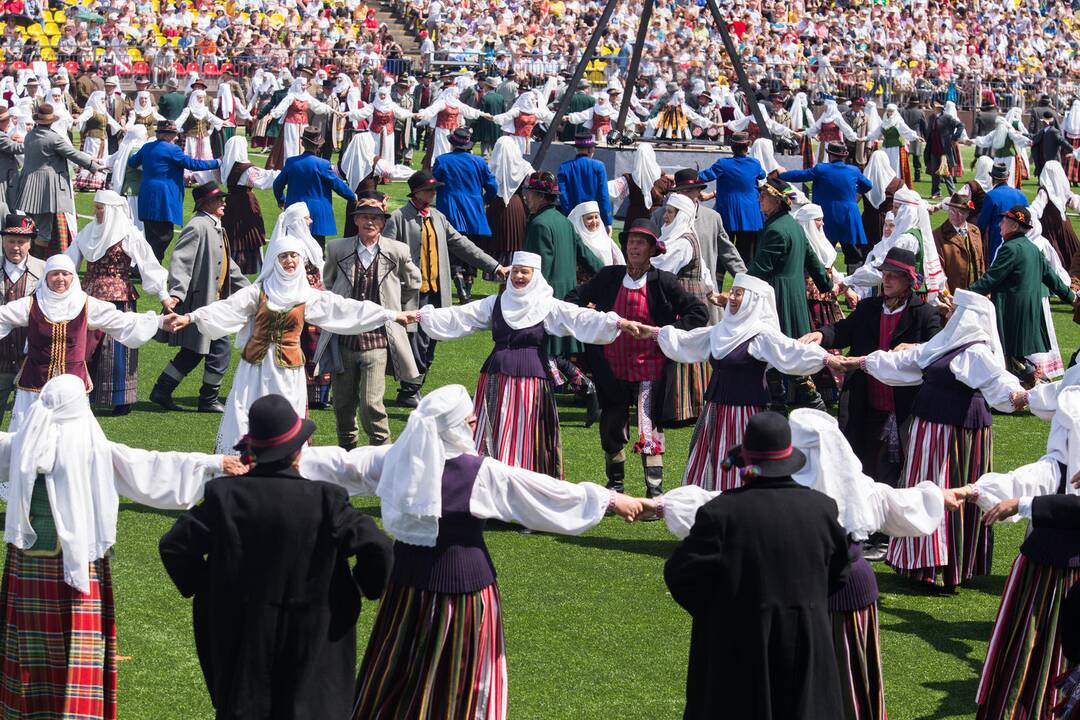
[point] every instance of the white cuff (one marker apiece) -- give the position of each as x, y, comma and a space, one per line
1024, 508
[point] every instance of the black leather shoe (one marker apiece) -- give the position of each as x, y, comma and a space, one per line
407, 400
208, 399
121, 410
164, 398
213, 406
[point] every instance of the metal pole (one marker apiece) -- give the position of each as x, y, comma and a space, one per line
601, 25
740, 73
635, 63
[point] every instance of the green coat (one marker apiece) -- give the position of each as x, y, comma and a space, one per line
485, 131
1016, 280
273, 129
784, 259
578, 102
551, 236
170, 105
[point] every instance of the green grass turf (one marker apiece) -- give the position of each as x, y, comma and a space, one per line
590, 629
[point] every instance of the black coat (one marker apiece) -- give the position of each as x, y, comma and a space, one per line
859, 331
1035, 119
915, 117
1046, 145
985, 120
266, 557
669, 304
755, 573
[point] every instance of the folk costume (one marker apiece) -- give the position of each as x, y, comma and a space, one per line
1052, 200
311, 179
737, 195
143, 113
293, 111
519, 122
960, 247
597, 119
232, 113
582, 179
598, 241
506, 213
93, 124
942, 153
830, 127
197, 123
125, 180
641, 188
467, 184
444, 116
895, 135
1005, 142
243, 220
1070, 129
673, 120
381, 115
18, 281
999, 200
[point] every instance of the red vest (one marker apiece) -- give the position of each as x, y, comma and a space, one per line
53, 349
297, 112
524, 124
829, 132
381, 121
447, 119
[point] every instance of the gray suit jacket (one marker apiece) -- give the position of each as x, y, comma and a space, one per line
716, 247
45, 185
404, 226
10, 167
399, 282
195, 272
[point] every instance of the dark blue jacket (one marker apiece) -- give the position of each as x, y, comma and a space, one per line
836, 189
468, 182
996, 203
581, 180
161, 194
310, 180
737, 191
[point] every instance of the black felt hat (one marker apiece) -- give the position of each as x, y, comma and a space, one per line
423, 180
687, 179
19, 225
1020, 215
766, 449
275, 431
461, 139
900, 260
206, 192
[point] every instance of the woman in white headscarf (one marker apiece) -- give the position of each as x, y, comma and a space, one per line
865, 507
596, 119
764, 152
961, 374
64, 121
446, 115
243, 220
739, 348
520, 120
62, 480
381, 113
748, 124
437, 641
879, 171
292, 111
111, 246
1053, 198
800, 120
1007, 145
1070, 128
93, 124
57, 318
363, 169
515, 396
642, 188
143, 112
1049, 364
269, 317
830, 127
977, 187
196, 122
231, 111
506, 213
127, 180
895, 135
590, 228
260, 96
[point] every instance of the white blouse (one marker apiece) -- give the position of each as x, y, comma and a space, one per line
357, 470
155, 278
677, 257
130, 329
258, 178
588, 326
779, 351
1041, 477
465, 112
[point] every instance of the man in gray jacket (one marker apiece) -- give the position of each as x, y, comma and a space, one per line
10, 163
20, 278
431, 239
368, 267
200, 272
45, 186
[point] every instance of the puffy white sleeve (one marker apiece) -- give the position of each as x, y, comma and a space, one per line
228, 316
864, 276
258, 178
319, 107
618, 188
675, 259
699, 120
685, 346
681, 506
1041, 477
14, 315
215, 121
155, 278
1038, 204
5, 464
357, 114
75, 254
975, 367
539, 502
343, 315
790, 357
430, 111
468, 112
1042, 399
983, 141
895, 367
163, 480
577, 118
589, 326
908, 512
278, 110
455, 321
130, 329
357, 471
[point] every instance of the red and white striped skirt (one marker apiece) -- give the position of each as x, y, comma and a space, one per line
719, 429
518, 422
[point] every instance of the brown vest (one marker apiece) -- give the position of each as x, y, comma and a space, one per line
280, 329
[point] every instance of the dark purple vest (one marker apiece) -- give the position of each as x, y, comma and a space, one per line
861, 588
517, 353
944, 399
459, 562
53, 349
738, 378
1057, 547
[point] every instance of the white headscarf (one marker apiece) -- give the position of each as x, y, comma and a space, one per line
983, 165
763, 151
873, 120
95, 239
225, 100
143, 105
832, 114
1053, 180
1071, 124
358, 160
196, 105
974, 320
598, 241
646, 170
134, 138
284, 289
531, 304
298, 90
679, 230
799, 112
235, 151
509, 167
292, 221
912, 212
879, 172
410, 489
825, 250
756, 315
950, 110
96, 101
383, 102
59, 307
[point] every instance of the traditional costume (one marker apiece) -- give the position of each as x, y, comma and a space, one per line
381, 114
293, 112
1070, 128
1053, 198
737, 181
445, 115
596, 119
521, 119
598, 241
1006, 144
878, 201
830, 127
196, 123
243, 220
895, 135
673, 120
506, 213
144, 113
127, 180
93, 123
641, 188
232, 113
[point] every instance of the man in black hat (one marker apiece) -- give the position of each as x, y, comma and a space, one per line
915, 118
765, 650
266, 558
200, 272
1035, 121
311, 179
22, 273
583, 179
997, 202
432, 240
985, 121
1048, 143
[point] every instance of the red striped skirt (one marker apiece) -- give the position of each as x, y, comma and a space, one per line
962, 546
1025, 652
58, 645
719, 429
1072, 165
434, 656
518, 422
686, 393
857, 643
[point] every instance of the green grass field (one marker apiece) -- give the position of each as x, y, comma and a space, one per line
591, 631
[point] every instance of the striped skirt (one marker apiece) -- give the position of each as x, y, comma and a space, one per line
1025, 652
58, 645
318, 384
686, 392
88, 180
1072, 165
857, 643
962, 546
114, 370
434, 656
719, 429
518, 422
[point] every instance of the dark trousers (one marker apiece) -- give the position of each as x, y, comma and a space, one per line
936, 180
854, 254
746, 244
423, 347
159, 235
217, 362
615, 426
873, 448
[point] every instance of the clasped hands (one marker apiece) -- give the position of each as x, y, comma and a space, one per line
633, 509
1003, 510
173, 322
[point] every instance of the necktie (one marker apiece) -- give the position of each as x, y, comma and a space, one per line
429, 256
224, 262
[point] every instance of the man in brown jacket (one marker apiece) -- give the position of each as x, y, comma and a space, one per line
960, 244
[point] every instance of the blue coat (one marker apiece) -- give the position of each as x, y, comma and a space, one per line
581, 180
737, 191
161, 194
468, 181
836, 189
996, 203
311, 179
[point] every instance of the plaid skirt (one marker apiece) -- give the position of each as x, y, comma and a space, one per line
61, 239
718, 429
1072, 165
518, 422
114, 370
434, 656
1025, 652
857, 643
59, 646
962, 547
685, 397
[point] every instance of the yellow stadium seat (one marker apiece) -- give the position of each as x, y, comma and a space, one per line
51, 29
34, 30
135, 54
54, 41
48, 54
47, 15
59, 17
99, 53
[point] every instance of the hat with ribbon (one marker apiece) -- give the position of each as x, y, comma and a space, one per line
542, 182
275, 431
766, 449
423, 180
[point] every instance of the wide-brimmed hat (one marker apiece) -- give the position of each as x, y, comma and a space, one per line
311, 136
370, 208
687, 179
1000, 171
739, 139
647, 228
960, 201
198, 85
766, 449
423, 180
44, 114
584, 138
1020, 215
275, 431
776, 188
19, 225
836, 149
542, 182
901, 261
206, 192
370, 202
166, 127
461, 139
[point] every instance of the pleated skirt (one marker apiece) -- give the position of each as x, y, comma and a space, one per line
434, 656
718, 429
88, 180
318, 384
857, 643
518, 422
962, 547
1072, 165
1025, 652
59, 646
114, 370
685, 398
